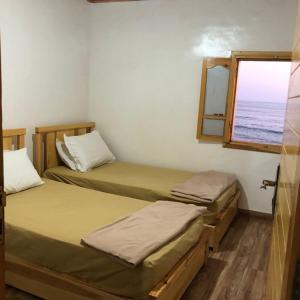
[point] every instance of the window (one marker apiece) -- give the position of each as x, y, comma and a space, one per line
212, 109
254, 95
261, 94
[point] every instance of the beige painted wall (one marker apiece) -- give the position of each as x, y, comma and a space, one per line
44, 58
145, 70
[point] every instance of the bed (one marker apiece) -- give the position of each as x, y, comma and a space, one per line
128, 179
140, 182
44, 255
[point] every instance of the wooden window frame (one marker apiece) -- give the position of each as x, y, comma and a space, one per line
236, 57
233, 64
209, 63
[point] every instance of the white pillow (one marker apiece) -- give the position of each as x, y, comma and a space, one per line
65, 155
88, 150
19, 173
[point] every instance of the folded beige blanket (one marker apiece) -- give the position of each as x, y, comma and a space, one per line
204, 186
135, 237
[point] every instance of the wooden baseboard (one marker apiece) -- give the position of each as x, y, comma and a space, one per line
254, 213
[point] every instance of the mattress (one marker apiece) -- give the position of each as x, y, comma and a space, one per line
44, 226
140, 182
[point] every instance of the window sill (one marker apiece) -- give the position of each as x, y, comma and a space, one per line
253, 147
210, 138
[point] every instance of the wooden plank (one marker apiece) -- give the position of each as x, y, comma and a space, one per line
7, 143
214, 117
38, 153
285, 238
82, 131
211, 138
2, 264
286, 187
49, 129
52, 159
14, 138
20, 141
212, 62
207, 63
270, 291
296, 33
254, 213
263, 55
277, 263
70, 132
202, 98
285, 216
40, 289
294, 90
293, 106
275, 272
50, 285
289, 161
281, 245
2, 229
13, 142
296, 53
14, 132
224, 220
230, 101
253, 147
174, 285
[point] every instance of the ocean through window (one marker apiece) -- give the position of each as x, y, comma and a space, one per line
260, 101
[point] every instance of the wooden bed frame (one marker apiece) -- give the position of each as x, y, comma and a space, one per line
46, 157
223, 222
54, 286
13, 138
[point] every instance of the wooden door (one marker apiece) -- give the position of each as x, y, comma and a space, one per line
285, 236
2, 198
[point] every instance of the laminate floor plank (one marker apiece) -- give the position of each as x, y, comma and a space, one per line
239, 270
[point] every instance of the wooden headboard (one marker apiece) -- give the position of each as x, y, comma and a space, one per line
45, 153
13, 139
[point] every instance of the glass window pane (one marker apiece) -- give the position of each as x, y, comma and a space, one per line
216, 90
213, 127
261, 95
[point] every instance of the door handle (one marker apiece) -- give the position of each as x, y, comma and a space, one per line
266, 183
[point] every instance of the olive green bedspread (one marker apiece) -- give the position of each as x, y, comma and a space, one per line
140, 182
44, 226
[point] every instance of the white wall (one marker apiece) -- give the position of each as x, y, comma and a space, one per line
145, 70
44, 61
143, 64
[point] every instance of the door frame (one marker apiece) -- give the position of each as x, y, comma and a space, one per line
2, 199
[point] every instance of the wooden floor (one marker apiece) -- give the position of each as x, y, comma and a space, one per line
236, 272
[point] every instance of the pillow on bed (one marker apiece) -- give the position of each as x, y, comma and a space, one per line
88, 150
19, 173
65, 155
